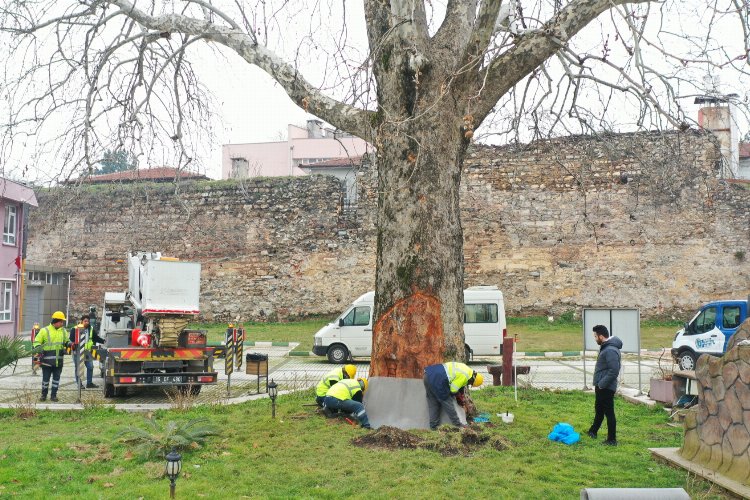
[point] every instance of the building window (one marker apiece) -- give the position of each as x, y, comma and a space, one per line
6, 300
9, 229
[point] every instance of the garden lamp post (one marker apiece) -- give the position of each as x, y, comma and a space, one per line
174, 465
273, 391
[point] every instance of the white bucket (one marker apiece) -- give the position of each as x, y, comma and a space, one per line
507, 417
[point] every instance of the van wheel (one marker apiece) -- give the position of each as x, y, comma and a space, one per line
338, 354
686, 360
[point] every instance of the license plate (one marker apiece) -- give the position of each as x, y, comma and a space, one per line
166, 379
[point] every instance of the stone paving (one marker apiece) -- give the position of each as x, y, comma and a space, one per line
295, 373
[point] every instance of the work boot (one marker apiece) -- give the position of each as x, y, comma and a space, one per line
43, 398
53, 399
327, 412
610, 442
591, 434
92, 386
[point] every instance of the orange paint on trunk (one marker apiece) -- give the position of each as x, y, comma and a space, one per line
407, 338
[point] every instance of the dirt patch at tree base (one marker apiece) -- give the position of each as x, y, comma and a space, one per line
448, 440
389, 438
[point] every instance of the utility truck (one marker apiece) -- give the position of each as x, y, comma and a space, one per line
351, 333
144, 328
708, 332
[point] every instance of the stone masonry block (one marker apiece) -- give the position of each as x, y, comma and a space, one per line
725, 417
739, 437
734, 405
710, 401
714, 366
743, 367
718, 387
743, 393
739, 469
729, 373
690, 445
711, 431
704, 453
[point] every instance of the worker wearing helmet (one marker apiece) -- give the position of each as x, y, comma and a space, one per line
52, 341
347, 396
337, 375
442, 382
89, 338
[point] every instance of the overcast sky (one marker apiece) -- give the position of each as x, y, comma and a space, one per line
251, 107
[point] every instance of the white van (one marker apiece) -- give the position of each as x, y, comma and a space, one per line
351, 333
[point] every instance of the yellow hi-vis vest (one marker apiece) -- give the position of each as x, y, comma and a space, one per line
325, 384
346, 389
458, 375
53, 342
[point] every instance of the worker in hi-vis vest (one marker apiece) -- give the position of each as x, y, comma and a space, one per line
346, 396
52, 339
85, 328
442, 382
334, 376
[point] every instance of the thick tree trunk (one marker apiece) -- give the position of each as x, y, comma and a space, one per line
419, 277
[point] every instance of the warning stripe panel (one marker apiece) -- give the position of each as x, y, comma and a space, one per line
158, 354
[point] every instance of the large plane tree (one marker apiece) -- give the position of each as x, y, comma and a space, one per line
91, 75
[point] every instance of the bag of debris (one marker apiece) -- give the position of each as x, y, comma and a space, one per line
564, 433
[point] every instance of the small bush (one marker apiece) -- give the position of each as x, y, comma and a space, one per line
156, 439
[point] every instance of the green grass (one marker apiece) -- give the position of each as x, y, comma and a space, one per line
534, 333
302, 455
295, 331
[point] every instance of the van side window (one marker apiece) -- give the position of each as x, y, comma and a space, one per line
706, 321
359, 316
480, 313
731, 317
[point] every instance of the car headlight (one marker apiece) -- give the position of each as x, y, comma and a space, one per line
317, 341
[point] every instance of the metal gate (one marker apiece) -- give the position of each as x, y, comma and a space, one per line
33, 307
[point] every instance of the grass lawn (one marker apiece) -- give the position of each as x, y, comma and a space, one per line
301, 454
534, 333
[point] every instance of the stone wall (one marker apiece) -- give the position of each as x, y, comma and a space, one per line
717, 432
623, 221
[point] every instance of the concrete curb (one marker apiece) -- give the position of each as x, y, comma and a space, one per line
143, 407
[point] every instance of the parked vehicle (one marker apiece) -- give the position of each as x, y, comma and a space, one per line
351, 333
708, 332
146, 340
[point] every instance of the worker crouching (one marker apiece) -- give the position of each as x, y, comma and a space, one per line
330, 379
346, 396
442, 382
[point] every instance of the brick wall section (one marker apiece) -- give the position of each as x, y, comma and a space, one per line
622, 221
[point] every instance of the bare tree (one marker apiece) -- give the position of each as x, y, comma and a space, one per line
88, 75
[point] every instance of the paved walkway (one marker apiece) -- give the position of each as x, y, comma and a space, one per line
297, 373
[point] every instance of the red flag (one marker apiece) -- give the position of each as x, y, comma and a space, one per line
18, 262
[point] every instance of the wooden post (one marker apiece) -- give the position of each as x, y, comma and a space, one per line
508, 367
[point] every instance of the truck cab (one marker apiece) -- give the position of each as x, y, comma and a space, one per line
708, 332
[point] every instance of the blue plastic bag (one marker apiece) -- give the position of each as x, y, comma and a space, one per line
564, 433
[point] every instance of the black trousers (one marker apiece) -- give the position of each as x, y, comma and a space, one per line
604, 406
55, 372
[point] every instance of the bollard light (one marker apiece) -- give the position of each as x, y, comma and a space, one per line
273, 391
174, 465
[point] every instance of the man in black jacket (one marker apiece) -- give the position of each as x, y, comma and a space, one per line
605, 383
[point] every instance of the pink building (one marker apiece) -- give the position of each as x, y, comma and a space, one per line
284, 158
15, 202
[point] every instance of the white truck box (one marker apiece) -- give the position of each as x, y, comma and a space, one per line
164, 286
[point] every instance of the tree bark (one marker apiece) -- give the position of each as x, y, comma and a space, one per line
419, 277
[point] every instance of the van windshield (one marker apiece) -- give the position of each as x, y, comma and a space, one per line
480, 313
